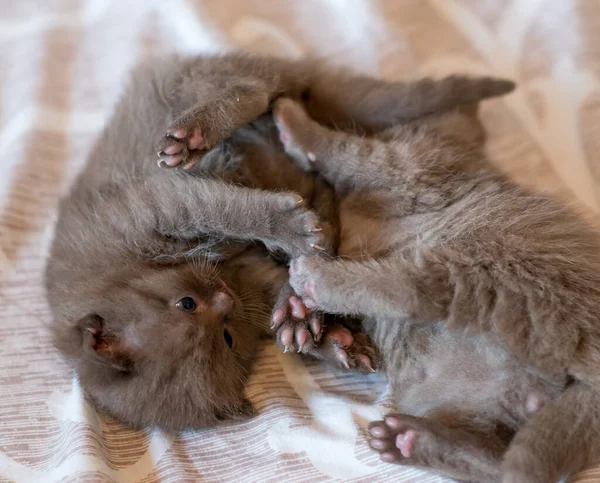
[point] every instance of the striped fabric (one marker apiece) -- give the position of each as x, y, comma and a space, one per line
62, 64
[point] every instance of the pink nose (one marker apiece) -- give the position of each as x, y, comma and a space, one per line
222, 304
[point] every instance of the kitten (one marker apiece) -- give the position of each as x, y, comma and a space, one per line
481, 296
159, 281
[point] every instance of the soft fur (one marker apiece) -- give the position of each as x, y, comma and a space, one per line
133, 239
482, 297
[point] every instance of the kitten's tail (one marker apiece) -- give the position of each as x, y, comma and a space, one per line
431, 96
560, 439
373, 105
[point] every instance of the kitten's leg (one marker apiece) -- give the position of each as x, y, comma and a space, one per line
325, 204
340, 97
202, 126
386, 288
355, 161
465, 297
427, 443
560, 439
187, 208
235, 89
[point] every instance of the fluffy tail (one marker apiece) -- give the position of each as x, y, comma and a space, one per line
431, 96
374, 105
560, 439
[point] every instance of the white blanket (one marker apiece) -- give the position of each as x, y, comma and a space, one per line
62, 64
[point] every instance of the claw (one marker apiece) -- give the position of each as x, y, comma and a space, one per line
317, 247
342, 356
277, 318
366, 362
300, 349
316, 230
287, 349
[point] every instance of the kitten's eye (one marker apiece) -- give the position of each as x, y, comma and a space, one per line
187, 304
228, 338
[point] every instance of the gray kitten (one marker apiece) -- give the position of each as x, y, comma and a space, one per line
161, 282
481, 296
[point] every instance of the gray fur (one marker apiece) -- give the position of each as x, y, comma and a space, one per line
133, 239
481, 296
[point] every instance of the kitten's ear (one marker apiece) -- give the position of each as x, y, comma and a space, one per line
103, 345
244, 410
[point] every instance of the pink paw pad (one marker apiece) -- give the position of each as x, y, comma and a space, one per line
405, 443
309, 289
196, 140
342, 336
298, 308
534, 402
174, 149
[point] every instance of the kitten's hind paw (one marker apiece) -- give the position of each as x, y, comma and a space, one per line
180, 147
405, 440
346, 349
297, 328
296, 132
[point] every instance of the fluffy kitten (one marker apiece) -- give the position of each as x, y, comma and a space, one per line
159, 281
481, 296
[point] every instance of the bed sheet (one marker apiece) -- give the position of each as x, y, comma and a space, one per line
63, 64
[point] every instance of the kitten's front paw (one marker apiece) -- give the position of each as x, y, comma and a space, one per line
295, 132
181, 146
295, 229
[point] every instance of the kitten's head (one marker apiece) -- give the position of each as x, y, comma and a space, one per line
162, 346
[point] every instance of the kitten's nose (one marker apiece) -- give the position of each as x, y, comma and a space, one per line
222, 304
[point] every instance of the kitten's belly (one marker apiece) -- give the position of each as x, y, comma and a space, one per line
431, 368
362, 236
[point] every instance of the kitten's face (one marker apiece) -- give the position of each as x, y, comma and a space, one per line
164, 346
